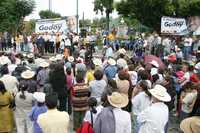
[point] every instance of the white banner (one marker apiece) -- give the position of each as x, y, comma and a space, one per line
50, 26
173, 26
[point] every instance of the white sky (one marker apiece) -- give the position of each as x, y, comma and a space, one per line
67, 8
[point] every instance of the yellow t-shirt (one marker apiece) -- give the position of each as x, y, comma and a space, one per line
89, 76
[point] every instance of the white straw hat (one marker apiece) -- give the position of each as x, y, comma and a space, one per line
160, 93
59, 57
39, 96
27, 74
4, 60
70, 59
111, 61
52, 59
118, 100
30, 56
122, 51
154, 63
97, 62
44, 64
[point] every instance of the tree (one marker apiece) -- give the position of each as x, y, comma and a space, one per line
13, 12
104, 5
149, 12
84, 23
46, 14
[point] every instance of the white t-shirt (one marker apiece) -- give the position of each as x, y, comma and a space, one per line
187, 101
122, 121
140, 102
188, 42
88, 115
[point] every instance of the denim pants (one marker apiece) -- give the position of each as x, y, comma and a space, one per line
186, 51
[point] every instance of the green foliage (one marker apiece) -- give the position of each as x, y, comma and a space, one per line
149, 12
46, 14
84, 23
12, 13
29, 27
104, 5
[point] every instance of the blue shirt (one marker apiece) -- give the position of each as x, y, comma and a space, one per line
110, 71
36, 111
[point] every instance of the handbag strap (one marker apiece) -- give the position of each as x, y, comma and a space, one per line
91, 115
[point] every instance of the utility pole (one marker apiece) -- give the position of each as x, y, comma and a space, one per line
77, 16
50, 5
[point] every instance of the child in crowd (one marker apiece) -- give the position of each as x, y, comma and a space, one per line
38, 109
188, 97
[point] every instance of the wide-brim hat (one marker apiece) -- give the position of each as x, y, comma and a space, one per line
118, 100
97, 62
154, 63
111, 61
70, 59
121, 63
44, 64
160, 93
30, 56
53, 59
27, 74
4, 60
190, 125
59, 56
122, 51
39, 97
38, 61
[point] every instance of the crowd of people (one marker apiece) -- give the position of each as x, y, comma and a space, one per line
113, 93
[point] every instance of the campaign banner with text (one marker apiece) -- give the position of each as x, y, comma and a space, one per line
48, 25
173, 26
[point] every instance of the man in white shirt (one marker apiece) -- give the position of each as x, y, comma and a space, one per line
187, 47
117, 120
11, 83
53, 121
154, 119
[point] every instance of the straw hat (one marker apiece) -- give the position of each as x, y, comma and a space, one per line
111, 61
4, 60
59, 57
154, 63
122, 51
39, 96
53, 59
30, 56
38, 61
27, 74
97, 62
160, 93
118, 100
44, 64
191, 125
71, 59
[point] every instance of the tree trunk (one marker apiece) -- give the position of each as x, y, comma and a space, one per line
107, 20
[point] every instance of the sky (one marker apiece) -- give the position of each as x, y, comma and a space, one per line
67, 8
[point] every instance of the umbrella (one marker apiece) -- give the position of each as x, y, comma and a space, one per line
150, 58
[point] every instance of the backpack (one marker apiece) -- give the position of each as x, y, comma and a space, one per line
86, 127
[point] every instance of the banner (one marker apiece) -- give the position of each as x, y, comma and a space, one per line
173, 26
194, 25
50, 25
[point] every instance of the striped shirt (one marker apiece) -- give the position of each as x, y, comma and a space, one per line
80, 97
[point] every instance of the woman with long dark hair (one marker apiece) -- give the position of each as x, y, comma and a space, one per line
140, 102
6, 113
57, 79
24, 102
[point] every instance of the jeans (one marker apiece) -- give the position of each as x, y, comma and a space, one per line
186, 51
